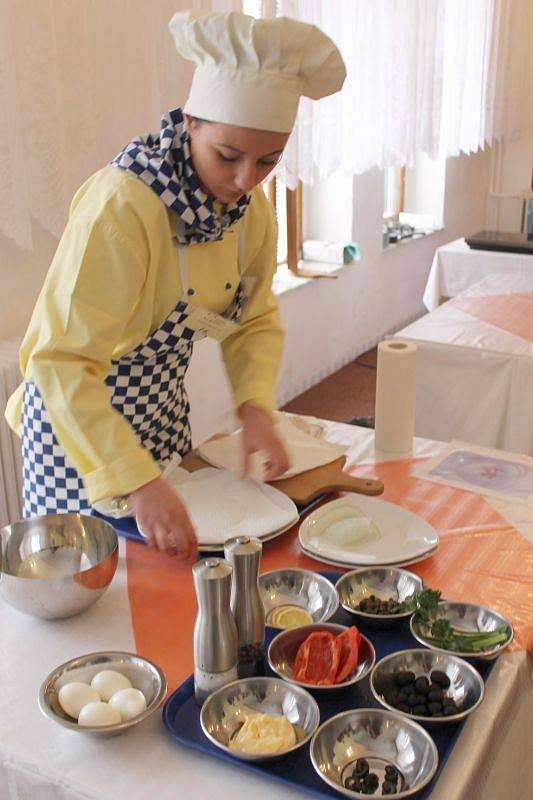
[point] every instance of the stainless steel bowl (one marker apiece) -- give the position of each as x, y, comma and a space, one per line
224, 712
467, 617
57, 565
143, 674
383, 582
283, 648
466, 684
298, 587
382, 738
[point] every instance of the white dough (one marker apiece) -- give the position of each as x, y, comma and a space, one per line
109, 681
130, 703
73, 696
99, 714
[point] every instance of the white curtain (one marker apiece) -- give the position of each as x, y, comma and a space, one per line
438, 76
78, 79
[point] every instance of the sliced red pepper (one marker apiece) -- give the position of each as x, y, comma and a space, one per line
317, 659
349, 653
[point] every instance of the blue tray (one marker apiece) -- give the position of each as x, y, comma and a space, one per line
181, 715
127, 527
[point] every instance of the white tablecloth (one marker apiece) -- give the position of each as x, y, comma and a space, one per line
474, 380
42, 761
456, 267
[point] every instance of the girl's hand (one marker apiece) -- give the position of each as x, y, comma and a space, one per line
163, 519
259, 434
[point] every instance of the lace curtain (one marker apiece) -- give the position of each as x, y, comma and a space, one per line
440, 76
79, 78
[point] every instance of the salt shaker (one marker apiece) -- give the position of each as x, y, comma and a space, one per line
215, 633
244, 554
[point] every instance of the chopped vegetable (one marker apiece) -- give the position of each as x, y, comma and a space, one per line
324, 659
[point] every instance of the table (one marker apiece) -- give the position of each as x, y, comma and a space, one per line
42, 761
475, 365
456, 267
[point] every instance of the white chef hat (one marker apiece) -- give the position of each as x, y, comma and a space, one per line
252, 72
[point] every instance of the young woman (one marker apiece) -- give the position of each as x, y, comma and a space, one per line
173, 241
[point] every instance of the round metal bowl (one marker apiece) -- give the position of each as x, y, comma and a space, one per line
224, 712
298, 587
283, 648
466, 684
383, 582
381, 737
467, 617
57, 565
143, 674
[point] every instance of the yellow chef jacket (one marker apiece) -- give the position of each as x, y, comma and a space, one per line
113, 281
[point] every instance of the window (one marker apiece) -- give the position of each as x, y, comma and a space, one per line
413, 200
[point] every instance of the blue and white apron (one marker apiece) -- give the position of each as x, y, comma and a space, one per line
146, 386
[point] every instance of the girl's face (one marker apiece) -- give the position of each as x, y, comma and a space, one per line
231, 160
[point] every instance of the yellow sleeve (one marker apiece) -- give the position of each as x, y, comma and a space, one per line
252, 354
91, 290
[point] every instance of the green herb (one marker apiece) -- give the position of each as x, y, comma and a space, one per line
442, 633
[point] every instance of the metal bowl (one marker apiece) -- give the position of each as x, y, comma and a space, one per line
385, 583
466, 684
383, 738
298, 587
143, 674
283, 648
57, 565
224, 712
469, 618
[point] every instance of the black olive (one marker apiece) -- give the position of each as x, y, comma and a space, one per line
402, 696
434, 696
435, 708
412, 700
391, 696
402, 707
420, 710
361, 768
371, 779
405, 678
391, 773
368, 789
349, 783
449, 711
387, 787
422, 685
437, 676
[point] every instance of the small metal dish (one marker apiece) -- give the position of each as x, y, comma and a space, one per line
383, 582
298, 587
467, 617
466, 684
283, 648
143, 674
224, 712
56, 565
383, 738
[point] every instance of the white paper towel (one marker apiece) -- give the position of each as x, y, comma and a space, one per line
395, 396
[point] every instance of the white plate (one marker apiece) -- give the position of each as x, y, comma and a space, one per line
351, 565
216, 548
366, 531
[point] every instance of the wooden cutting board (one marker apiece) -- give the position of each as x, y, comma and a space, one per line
307, 486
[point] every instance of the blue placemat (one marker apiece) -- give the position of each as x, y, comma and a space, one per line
182, 715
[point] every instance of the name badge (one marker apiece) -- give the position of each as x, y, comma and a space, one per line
209, 323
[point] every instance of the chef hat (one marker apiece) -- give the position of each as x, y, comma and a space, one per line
252, 72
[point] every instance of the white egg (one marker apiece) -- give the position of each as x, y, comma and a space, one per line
130, 702
108, 682
99, 714
73, 696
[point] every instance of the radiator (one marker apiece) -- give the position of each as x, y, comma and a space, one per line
10, 448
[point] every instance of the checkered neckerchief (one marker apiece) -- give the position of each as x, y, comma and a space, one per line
163, 161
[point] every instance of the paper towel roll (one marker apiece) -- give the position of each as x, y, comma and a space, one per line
395, 396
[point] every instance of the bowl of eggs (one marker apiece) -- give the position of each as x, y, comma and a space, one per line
103, 694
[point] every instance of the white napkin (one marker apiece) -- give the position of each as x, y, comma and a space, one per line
305, 448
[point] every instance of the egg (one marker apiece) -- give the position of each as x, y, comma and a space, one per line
108, 682
99, 714
73, 696
129, 702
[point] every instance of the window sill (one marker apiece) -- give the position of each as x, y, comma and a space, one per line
409, 239
285, 280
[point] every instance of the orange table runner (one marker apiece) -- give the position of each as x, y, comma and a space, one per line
510, 312
481, 559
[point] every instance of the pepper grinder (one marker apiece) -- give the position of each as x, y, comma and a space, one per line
215, 633
244, 554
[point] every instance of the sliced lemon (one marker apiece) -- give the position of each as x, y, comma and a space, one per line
290, 616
